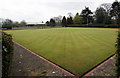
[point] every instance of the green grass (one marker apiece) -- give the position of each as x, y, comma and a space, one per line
75, 49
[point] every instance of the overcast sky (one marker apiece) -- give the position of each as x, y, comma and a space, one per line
43, 10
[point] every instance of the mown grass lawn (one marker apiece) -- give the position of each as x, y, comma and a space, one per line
75, 49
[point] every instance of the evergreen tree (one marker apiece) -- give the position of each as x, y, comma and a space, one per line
87, 15
68, 21
100, 15
64, 21
71, 20
77, 19
52, 22
47, 23
115, 12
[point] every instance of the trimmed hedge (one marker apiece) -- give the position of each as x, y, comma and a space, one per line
94, 25
118, 55
6, 27
7, 53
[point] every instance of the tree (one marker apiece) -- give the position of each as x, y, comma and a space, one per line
23, 23
47, 23
58, 19
42, 22
1, 22
70, 14
87, 15
107, 7
115, 11
64, 21
77, 19
100, 15
15, 24
52, 22
7, 23
108, 19
69, 20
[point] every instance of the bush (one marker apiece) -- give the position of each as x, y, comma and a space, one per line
7, 53
118, 55
94, 25
7, 27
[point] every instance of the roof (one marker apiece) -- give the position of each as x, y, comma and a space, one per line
35, 23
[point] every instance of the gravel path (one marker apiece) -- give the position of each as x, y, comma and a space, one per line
25, 63
105, 69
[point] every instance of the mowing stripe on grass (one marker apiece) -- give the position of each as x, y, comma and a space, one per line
74, 49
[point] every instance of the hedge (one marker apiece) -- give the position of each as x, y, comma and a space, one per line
118, 55
6, 27
7, 53
94, 25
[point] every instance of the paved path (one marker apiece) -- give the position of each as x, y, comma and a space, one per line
107, 68
25, 63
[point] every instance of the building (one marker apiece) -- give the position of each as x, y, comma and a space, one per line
35, 24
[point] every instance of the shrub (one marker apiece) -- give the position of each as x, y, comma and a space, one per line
7, 53
94, 25
7, 27
118, 55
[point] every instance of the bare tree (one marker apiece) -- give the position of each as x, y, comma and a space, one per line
106, 6
70, 14
58, 19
